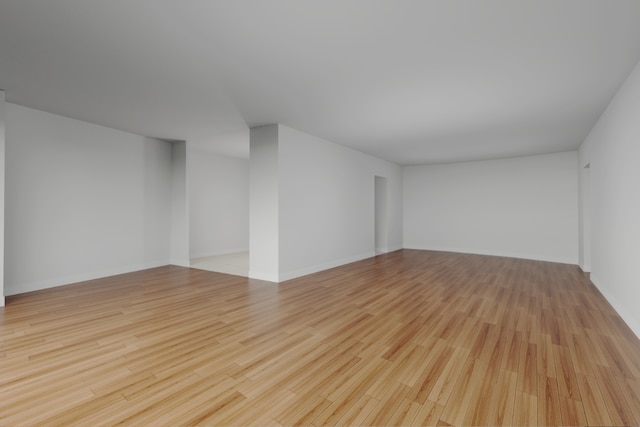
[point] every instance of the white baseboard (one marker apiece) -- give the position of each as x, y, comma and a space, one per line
219, 253
390, 249
623, 312
262, 275
181, 262
75, 278
585, 268
535, 257
324, 266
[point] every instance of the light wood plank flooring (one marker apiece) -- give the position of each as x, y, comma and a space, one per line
407, 338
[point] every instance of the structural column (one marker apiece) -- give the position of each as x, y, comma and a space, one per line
2, 162
179, 205
264, 202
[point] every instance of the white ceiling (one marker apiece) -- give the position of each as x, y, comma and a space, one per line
408, 81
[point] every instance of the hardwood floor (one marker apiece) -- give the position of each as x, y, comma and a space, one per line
407, 338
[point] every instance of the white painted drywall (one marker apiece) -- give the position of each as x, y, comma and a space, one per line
82, 201
327, 204
218, 203
381, 214
263, 203
524, 207
612, 149
2, 179
584, 217
179, 205
156, 202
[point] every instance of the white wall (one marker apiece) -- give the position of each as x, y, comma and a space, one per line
156, 199
179, 205
584, 217
381, 215
524, 207
82, 201
613, 151
2, 179
327, 204
218, 203
264, 204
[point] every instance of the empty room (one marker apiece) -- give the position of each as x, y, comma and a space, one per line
319, 213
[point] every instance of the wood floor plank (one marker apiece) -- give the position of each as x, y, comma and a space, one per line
566, 377
428, 415
387, 405
448, 378
488, 371
457, 400
526, 409
631, 392
546, 362
358, 412
594, 406
405, 413
549, 413
572, 412
502, 406
432, 369
406, 338
614, 398
527, 370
